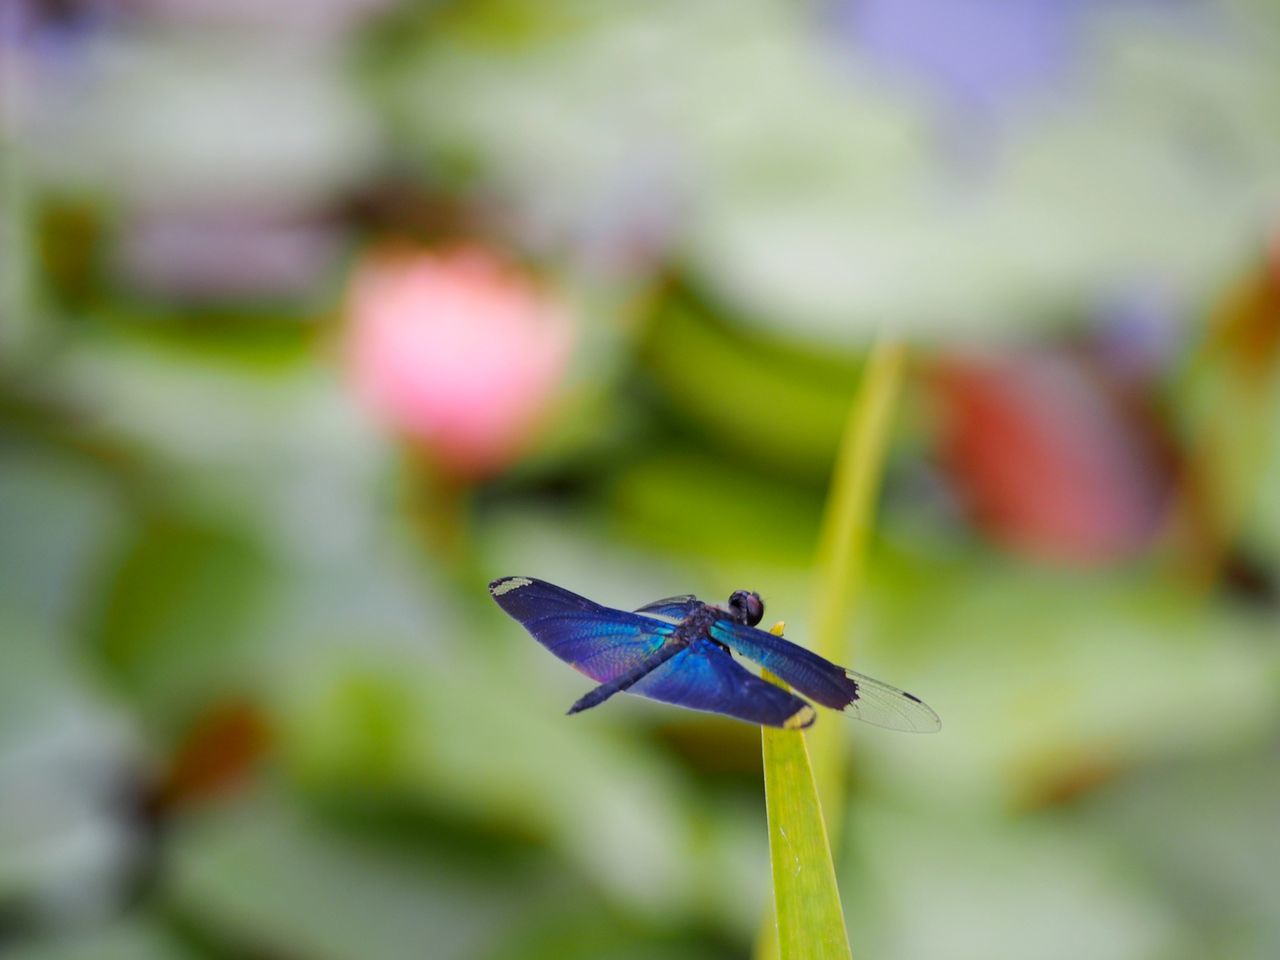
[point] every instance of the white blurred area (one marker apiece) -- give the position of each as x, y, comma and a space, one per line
829, 169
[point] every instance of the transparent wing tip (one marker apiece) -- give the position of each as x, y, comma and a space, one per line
884, 706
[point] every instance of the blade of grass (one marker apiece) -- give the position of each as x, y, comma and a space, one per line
842, 547
838, 580
806, 901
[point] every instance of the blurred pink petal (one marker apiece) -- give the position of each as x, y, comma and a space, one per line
457, 350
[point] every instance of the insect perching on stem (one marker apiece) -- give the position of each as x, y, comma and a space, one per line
680, 651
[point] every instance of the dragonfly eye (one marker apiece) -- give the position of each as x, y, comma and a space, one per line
747, 606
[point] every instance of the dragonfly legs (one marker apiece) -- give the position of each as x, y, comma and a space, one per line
600, 694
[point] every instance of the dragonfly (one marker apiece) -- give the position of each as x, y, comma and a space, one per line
679, 650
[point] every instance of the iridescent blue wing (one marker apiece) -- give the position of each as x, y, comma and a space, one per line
677, 608
599, 641
827, 683
705, 677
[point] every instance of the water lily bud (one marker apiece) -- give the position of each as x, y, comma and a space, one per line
457, 350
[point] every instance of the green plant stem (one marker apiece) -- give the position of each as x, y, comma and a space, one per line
840, 565
838, 582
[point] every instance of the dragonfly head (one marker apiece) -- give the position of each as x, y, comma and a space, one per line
746, 607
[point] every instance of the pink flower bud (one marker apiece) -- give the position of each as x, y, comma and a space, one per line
458, 351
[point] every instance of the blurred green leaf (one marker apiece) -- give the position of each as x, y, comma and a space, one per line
691, 502
1220, 875
177, 611
58, 519
926, 880
138, 938
475, 739
589, 933
750, 394
1041, 673
260, 872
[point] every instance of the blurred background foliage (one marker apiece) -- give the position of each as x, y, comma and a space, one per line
318, 314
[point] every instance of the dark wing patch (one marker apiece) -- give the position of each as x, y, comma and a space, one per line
705, 677
885, 706
828, 683
599, 641
816, 678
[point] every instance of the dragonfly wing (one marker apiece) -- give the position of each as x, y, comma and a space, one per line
677, 608
884, 706
599, 641
705, 677
828, 683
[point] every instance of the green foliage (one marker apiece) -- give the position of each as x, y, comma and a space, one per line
176, 613
194, 503
766, 401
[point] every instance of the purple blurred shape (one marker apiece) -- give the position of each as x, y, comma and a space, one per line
977, 55
205, 254
1138, 332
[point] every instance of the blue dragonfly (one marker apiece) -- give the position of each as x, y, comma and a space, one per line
680, 651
